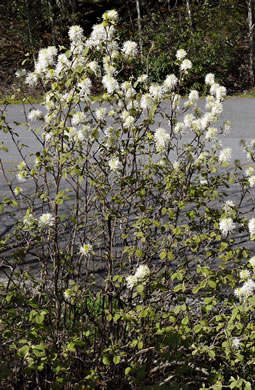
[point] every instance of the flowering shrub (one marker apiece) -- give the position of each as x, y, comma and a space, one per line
137, 255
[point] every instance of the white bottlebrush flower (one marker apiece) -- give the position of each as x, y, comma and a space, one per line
22, 165
20, 73
251, 181
37, 161
81, 135
85, 249
93, 65
220, 92
45, 58
170, 82
85, 87
229, 206
236, 343
129, 121
131, 281
206, 120
125, 86
78, 118
75, 33
225, 155
249, 155
186, 64
216, 109
178, 129
181, 54
211, 133
100, 113
162, 162
67, 294
32, 79
162, 138
176, 101
193, 95
251, 227
201, 158
238, 293
209, 79
226, 226
130, 49
18, 191
28, 220
111, 15
21, 176
46, 220
176, 165
146, 101
156, 91
249, 171
98, 34
214, 88
109, 69
188, 119
141, 272
245, 274
252, 261
203, 181
248, 288
143, 78
110, 83
114, 163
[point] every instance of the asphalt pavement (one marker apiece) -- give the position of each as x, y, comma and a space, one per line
239, 111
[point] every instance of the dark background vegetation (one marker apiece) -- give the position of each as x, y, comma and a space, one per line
215, 33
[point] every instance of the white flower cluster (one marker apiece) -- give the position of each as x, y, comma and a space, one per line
251, 177
229, 206
162, 138
130, 49
226, 226
251, 227
225, 155
248, 287
114, 164
45, 221
22, 174
141, 273
35, 115
246, 290
85, 249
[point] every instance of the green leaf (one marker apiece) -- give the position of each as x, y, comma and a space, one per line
23, 351
68, 82
185, 320
217, 386
116, 359
39, 350
139, 253
197, 328
106, 361
140, 289
212, 284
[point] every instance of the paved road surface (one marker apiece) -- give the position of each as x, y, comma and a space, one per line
240, 111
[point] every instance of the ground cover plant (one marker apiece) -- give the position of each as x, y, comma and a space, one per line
144, 278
